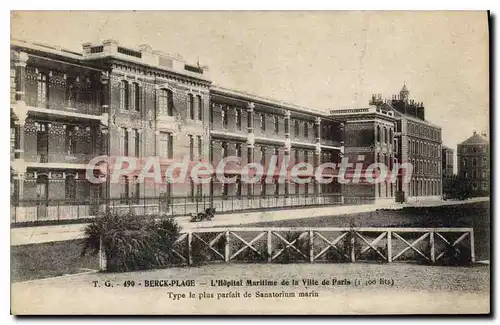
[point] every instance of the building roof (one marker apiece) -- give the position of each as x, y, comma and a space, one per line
444, 147
475, 139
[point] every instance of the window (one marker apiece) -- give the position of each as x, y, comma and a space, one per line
296, 128
306, 156
199, 190
191, 106
238, 119
464, 162
238, 150
306, 130
276, 187
277, 153
124, 142
224, 116
125, 189
42, 90
42, 141
263, 155
165, 102
378, 134
124, 95
200, 147
238, 186
474, 162
137, 142
136, 97
296, 157
191, 188
70, 188
484, 162
191, 147
262, 122
276, 124
200, 107
137, 190
224, 149
70, 140
166, 145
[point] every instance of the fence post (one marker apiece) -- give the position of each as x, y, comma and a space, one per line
102, 257
190, 250
472, 252
389, 246
433, 250
269, 246
227, 248
311, 245
353, 244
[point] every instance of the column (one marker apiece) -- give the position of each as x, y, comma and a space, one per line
105, 92
317, 162
250, 140
250, 116
20, 110
318, 129
20, 59
250, 157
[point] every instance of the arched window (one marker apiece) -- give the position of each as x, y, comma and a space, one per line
124, 95
165, 102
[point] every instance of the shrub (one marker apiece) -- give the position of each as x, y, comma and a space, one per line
132, 242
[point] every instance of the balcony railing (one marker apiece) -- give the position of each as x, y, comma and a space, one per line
81, 107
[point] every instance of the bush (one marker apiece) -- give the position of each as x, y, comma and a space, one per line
132, 242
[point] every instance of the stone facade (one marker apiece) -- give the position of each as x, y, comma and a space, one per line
473, 157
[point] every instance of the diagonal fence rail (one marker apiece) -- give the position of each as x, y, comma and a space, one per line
320, 245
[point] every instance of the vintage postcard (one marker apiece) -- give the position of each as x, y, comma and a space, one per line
250, 162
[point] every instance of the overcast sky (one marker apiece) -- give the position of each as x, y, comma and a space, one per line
322, 60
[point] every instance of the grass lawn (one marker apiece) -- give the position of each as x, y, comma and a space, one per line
39, 261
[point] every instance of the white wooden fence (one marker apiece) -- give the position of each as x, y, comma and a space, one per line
389, 244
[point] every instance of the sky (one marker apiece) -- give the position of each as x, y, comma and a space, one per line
318, 59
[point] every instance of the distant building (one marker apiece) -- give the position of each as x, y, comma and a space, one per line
448, 161
474, 161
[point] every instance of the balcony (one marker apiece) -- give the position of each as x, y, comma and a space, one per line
70, 107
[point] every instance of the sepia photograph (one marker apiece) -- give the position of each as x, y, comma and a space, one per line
250, 163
